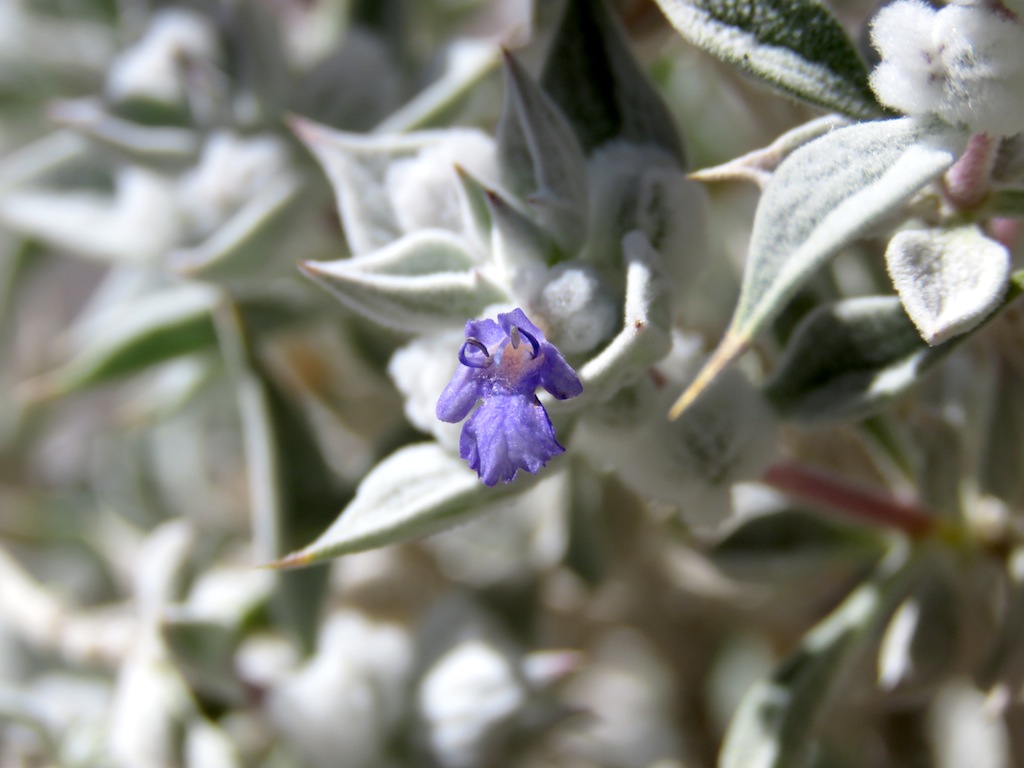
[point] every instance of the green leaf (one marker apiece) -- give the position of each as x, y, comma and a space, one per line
848, 359
310, 496
203, 652
36, 159
170, 387
361, 171
426, 280
104, 11
135, 225
19, 256
257, 62
517, 243
795, 46
1005, 202
920, 643
944, 450
541, 160
158, 147
293, 493
146, 331
418, 490
474, 195
592, 75
247, 240
467, 64
775, 723
152, 111
589, 538
791, 541
1003, 439
357, 168
822, 197
757, 166
1003, 664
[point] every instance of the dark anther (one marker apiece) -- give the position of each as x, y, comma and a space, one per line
475, 362
516, 332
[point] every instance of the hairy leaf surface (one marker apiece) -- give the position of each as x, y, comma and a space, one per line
795, 46
821, 198
425, 280
418, 490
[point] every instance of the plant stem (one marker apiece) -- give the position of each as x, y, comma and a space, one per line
1006, 231
968, 182
837, 494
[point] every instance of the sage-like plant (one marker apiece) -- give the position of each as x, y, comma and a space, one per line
372, 397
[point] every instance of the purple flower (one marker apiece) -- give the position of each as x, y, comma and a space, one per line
502, 364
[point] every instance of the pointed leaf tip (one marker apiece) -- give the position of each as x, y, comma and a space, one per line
308, 268
826, 194
541, 158
590, 72
416, 491
299, 559
305, 129
429, 279
730, 348
38, 391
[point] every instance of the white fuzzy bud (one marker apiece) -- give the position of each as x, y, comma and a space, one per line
726, 437
628, 689
424, 187
964, 63
342, 704
420, 370
150, 68
231, 171
579, 311
467, 700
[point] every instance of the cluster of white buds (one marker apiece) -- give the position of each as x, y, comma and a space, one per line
963, 63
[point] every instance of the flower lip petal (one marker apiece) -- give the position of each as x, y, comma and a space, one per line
507, 434
558, 377
459, 397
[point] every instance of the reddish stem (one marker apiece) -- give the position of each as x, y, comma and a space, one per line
968, 182
837, 494
1006, 231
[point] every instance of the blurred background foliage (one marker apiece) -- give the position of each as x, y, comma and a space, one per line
181, 406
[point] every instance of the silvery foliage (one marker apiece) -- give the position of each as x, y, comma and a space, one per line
240, 245
931, 183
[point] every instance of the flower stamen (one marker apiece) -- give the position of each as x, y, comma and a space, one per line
474, 362
516, 332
